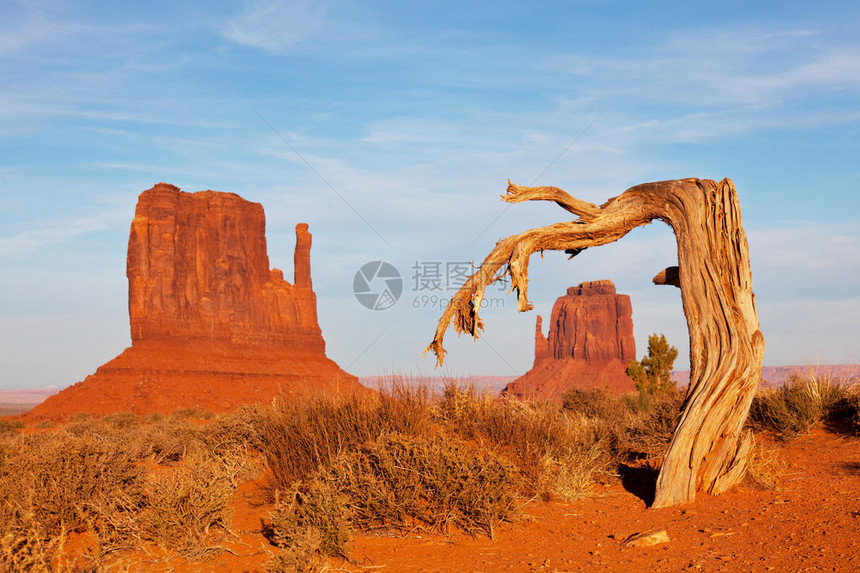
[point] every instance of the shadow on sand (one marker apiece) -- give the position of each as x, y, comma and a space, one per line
640, 481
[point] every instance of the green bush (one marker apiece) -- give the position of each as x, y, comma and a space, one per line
654, 372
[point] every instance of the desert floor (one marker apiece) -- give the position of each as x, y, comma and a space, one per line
811, 522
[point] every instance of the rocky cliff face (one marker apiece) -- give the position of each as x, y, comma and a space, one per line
589, 344
211, 325
591, 322
198, 269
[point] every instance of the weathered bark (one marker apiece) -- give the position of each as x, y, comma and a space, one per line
709, 449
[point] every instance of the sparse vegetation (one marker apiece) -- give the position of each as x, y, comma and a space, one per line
766, 466
10, 426
297, 439
118, 480
556, 457
400, 461
802, 402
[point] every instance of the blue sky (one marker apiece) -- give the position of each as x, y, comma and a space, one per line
412, 116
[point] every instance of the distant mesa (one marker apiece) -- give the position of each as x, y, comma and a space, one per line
16, 402
212, 326
589, 344
779, 375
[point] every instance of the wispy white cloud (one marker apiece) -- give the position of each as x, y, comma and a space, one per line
803, 331
275, 26
710, 83
54, 232
742, 66
25, 26
288, 26
805, 251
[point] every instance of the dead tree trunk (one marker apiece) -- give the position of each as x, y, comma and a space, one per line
709, 449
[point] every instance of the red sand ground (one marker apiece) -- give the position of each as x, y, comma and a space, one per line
810, 525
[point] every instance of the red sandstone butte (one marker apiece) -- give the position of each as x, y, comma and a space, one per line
589, 345
212, 327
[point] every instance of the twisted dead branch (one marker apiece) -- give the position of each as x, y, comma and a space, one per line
709, 449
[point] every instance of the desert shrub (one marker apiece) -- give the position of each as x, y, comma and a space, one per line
651, 429
185, 507
10, 426
80, 424
551, 452
403, 482
640, 403
299, 438
853, 406
765, 466
394, 483
235, 440
242, 426
845, 413
119, 421
309, 523
303, 555
591, 403
607, 416
166, 439
627, 426
162, 439
797, 406
165, 480
194, 413
654, 372
27, 547
51, 484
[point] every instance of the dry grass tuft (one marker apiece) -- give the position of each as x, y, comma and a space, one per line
405, 483
297, 439
552, 452
766, 466
797, 406
186, 507
394, 483
120, 480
